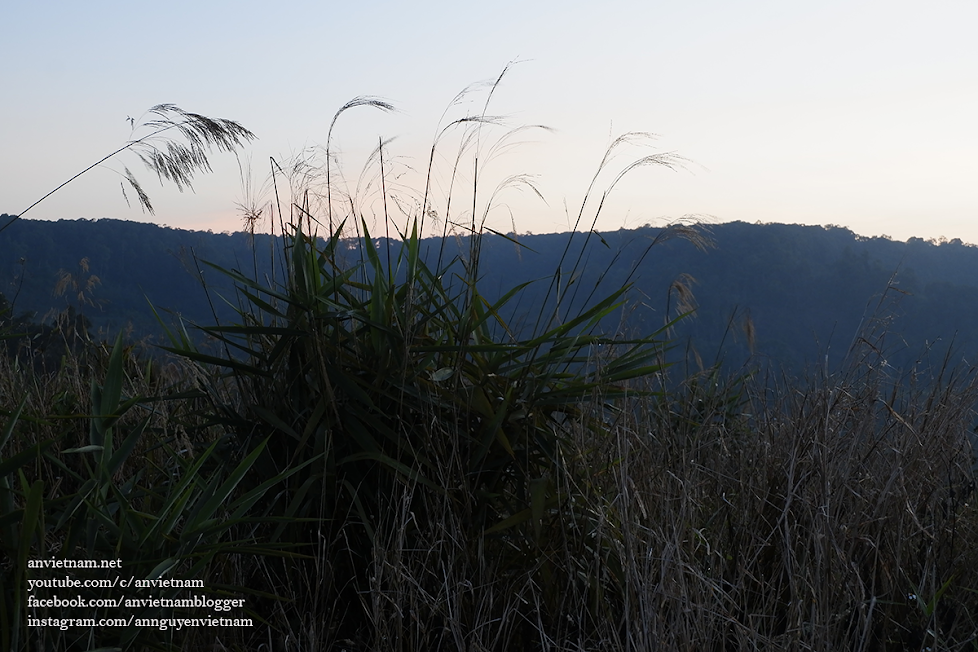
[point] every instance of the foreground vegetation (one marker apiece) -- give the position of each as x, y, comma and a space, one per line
833, 514
374, 458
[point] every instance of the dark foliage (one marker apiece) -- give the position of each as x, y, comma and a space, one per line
804, 290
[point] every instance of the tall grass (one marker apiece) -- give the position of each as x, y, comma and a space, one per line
391, 365
382, 460
173, 143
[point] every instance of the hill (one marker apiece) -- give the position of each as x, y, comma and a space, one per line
804, 290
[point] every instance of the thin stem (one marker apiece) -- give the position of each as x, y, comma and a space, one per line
93, 165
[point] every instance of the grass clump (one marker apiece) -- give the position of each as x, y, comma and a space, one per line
389, 363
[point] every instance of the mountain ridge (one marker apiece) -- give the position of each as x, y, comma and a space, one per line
803, 289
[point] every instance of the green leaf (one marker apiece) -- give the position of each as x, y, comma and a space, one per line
76, 501
245, 502
442, 374
14, 462
161, 569
123, 452
112, 388
207, 510
395, 465
91, 448
217, 361
31, 523
180, 496
272, 419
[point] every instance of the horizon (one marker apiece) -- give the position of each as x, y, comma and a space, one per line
938, 240
843, 114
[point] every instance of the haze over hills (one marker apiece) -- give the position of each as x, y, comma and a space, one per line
805, 289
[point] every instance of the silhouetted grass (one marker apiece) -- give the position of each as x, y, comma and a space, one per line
376, 459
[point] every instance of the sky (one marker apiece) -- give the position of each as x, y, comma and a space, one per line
860, 114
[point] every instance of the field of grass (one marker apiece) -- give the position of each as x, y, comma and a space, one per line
373, 460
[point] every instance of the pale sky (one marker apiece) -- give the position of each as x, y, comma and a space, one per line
861, 114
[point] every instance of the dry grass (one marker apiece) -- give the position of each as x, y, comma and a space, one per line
831, 514
402, 471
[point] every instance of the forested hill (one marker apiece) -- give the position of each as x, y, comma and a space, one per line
806, 288
107, 269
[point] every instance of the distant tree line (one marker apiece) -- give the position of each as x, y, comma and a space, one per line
784, 294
